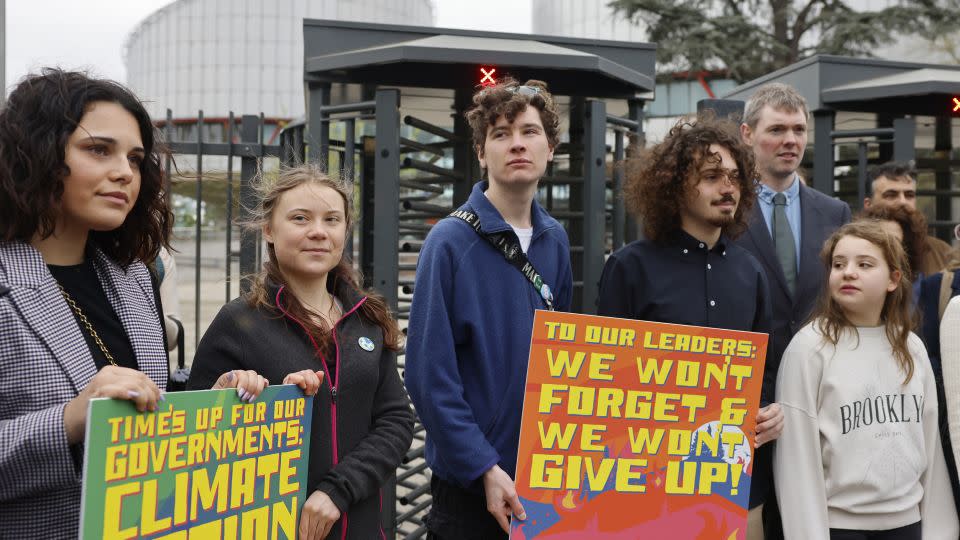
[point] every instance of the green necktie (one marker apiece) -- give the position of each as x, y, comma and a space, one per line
783, 241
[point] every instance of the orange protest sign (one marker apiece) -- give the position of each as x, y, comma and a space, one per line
635, 429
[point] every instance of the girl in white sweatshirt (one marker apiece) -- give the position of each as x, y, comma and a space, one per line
860, 455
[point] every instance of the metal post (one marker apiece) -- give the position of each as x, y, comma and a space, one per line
594, 201
885, 149
904, 138
229, 249
318, 125
3, 52
943, 143
619, 215
386, 239
464, 157
637, 141
386, 196
367, 211
249, 240
823, 151
347, 166
575, 203
635, 113
199, 230
349, 149
861, 173
168, 162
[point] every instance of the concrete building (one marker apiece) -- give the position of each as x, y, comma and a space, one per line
239, 55
594, 19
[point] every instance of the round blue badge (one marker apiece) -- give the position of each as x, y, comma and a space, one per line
546, 293
365, 343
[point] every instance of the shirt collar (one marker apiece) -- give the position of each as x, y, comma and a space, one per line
766, 194
687, 244
490, 219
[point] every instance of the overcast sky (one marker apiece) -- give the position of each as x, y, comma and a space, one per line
90, 34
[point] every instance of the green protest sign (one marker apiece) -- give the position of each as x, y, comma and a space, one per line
204, 465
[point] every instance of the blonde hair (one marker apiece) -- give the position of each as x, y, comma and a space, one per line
778, 96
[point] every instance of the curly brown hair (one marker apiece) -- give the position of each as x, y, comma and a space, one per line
40, 115
914, 227
656, 182
504, 99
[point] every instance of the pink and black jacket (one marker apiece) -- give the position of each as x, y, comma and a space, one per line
362, 420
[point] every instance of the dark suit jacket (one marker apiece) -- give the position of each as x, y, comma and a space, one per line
820, 216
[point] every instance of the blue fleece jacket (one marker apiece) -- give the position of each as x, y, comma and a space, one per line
469, 337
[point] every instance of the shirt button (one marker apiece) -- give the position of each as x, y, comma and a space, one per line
709, 267
712, 303
724, 254
701, 244
684, 251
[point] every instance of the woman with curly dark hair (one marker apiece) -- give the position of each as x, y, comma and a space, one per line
80, 207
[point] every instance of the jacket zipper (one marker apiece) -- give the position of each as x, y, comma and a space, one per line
331, 386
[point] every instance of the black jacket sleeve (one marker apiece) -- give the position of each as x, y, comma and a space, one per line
368, 465
220, 350
762, 324
616, 297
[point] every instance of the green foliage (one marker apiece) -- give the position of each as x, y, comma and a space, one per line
750, 38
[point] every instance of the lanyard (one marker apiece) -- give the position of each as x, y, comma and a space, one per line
508, 246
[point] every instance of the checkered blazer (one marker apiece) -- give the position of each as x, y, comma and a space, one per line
44, 363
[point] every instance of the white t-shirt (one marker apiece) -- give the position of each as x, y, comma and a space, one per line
525, 235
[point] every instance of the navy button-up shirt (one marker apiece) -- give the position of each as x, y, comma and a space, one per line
684, 282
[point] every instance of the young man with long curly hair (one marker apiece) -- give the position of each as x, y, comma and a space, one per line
693, 193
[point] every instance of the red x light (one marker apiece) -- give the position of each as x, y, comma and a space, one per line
487, 79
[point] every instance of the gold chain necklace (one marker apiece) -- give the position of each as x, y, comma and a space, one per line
86, 323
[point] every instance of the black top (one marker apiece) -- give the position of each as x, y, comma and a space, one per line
682, 282
82, 284
370, 411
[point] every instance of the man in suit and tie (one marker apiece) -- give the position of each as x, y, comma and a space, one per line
786, 231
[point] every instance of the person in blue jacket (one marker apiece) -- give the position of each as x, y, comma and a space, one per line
472, 314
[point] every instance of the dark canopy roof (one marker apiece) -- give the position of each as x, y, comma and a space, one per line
866, 84
337, 51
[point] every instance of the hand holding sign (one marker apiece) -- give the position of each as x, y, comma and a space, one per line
308, 381
248, 383
769, 424
502, 500
110, 382
318, 516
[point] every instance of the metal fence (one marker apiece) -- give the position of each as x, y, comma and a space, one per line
407, 173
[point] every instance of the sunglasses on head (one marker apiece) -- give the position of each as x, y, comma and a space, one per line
524, 90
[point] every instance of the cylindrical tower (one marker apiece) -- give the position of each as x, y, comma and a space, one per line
244, 56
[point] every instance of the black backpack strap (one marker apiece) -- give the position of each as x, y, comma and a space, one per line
509, 247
